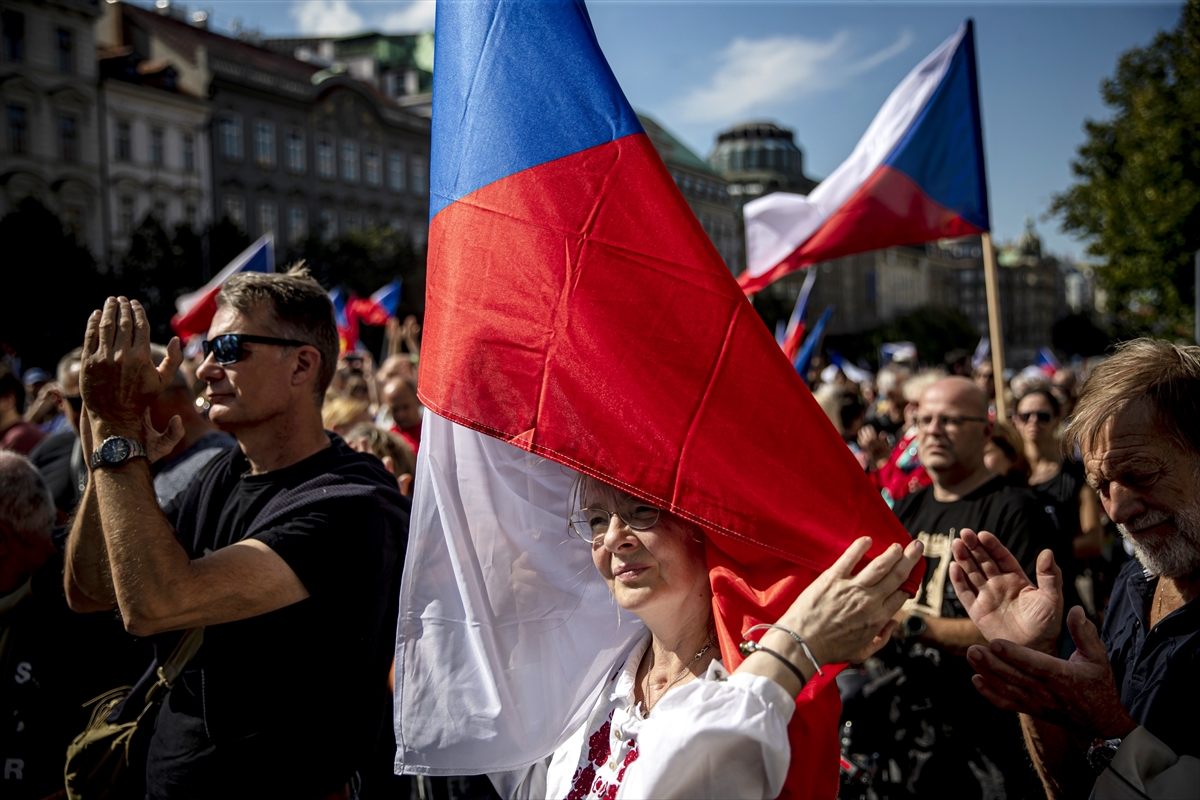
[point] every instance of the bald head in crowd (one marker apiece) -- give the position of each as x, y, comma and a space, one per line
400, 397
26, 517
953, 425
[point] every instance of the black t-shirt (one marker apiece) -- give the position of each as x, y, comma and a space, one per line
1061, 497
1013, 514
288, 704
970, 730
52, 662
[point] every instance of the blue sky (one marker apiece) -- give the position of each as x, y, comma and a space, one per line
824, 69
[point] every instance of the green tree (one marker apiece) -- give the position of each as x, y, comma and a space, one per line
362, 261
48, 286
1136, 199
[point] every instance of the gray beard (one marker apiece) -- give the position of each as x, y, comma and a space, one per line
1172, 555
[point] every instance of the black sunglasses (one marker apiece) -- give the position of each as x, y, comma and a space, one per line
1042, 416
226, 349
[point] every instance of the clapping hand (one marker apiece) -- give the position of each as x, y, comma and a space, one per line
846, 617
999, 597
117, 378
1079, 694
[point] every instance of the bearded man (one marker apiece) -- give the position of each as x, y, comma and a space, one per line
1118, 718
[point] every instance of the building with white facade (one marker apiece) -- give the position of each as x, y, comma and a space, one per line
157, 153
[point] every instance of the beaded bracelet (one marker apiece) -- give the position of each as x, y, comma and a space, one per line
748, 648
803, 646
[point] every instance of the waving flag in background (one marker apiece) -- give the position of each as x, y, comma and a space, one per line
579, 320
197, 308
916, 175
794, 333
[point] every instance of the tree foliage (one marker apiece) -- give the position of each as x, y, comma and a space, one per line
1136, 198
934, 331
362, 261
48, 285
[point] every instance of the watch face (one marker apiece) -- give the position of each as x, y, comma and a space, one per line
114, 451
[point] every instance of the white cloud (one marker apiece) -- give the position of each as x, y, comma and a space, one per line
757, 72
414, 17
325, 17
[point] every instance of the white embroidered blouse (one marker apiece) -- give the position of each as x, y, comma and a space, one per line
720, 736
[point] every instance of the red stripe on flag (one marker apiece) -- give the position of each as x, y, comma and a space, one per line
889, 209
198, 318
578, 310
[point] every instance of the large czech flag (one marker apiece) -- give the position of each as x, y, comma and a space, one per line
578, 320
916, 175
196, 309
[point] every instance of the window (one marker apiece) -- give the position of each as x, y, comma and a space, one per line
189, 153
372, 172
350, 221
125, 215
328, 225
68, 139
420, 234
231, 137
189, 214
295, 152
268, 217
124, 142
235, 209
264, 143
18, 130
66, 51
350, 162
14, 35
160, 211
156, 146
395, 170
325, 158
420, 176
297, 224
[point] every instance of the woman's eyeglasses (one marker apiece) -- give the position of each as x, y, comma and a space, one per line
226, 349
591, 524
1042, 416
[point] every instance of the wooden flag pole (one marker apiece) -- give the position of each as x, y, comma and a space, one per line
995, 328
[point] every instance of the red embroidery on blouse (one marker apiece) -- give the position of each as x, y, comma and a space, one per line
598, 743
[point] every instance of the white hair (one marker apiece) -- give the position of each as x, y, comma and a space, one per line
26, 506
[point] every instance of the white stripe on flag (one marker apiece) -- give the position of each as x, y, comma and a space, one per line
779, 223
506, 631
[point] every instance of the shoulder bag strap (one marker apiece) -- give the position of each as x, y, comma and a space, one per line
184, 652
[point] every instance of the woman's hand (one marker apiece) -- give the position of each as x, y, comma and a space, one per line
845, 617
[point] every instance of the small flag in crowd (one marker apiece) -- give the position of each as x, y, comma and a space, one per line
794, 333
578, 319
916, 175
897, 351
196, 309
811, 344
983, 352
1047, 362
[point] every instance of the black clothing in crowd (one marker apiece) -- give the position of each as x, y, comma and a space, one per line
52, 662
293, 701
935, 735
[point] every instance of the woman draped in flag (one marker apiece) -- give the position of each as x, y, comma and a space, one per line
672, 722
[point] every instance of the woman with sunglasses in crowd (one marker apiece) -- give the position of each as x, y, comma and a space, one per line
1069, 500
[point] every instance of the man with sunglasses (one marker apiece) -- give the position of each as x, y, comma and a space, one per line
957, 745
287, 549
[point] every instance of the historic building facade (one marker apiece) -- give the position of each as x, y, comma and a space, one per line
295, 148
49, 147
157, 158
758, 158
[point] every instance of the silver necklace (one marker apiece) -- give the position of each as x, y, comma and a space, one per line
679, 677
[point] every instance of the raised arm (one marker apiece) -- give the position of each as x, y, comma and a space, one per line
156, 585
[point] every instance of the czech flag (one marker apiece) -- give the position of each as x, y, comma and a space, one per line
388, 297
916, 175
579, 320
1047, 362
196, 309
794, 333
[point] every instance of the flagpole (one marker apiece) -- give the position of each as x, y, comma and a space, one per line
995, 329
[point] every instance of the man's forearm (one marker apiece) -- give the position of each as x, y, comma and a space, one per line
148, 565
953, 636
1059, 761
87, 577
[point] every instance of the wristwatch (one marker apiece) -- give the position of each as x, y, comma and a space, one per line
1100, 753
115, 451
914, 626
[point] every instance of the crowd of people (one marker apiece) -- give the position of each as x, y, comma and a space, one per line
227, 522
